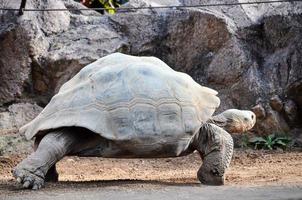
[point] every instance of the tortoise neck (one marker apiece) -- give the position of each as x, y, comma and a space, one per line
219, 120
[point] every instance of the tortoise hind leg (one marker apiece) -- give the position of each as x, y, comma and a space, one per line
52, 175
215, 146
53, 147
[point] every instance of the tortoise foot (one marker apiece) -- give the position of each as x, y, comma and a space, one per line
29, 179
208, 177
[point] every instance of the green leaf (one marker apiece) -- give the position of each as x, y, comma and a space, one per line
281, 143
270, 137
257, 139
285, 139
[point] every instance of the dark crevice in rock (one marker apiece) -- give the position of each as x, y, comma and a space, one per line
7, 104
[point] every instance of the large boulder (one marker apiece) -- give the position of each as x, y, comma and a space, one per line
251, 54
11, 119
42, 50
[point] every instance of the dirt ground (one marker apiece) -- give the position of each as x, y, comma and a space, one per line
252, 168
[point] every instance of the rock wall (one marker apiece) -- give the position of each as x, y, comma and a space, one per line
251, 54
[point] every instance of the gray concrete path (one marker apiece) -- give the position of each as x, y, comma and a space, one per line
152, 192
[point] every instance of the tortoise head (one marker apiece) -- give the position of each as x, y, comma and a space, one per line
235, 121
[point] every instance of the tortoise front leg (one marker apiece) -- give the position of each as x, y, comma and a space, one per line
215, 146
53, 147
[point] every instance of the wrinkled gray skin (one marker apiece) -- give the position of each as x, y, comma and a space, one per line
213, 142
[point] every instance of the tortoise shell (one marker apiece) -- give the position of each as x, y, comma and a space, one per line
129, 98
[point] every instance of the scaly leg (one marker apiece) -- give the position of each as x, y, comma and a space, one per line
52, 175
215, 146
53, 147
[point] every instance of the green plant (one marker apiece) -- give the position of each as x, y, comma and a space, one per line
270, 142
109, 5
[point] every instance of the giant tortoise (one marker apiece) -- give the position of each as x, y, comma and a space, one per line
123, 106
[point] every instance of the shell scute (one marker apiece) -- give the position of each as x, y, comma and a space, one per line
145, 120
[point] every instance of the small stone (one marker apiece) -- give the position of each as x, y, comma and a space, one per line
279, 150
70, 160
276, 103
259, 111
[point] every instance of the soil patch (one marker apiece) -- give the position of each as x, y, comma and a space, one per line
250, 168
